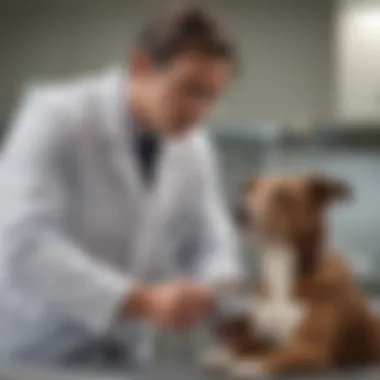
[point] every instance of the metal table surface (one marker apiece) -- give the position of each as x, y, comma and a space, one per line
161, 372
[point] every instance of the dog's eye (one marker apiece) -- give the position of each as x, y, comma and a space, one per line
283, 199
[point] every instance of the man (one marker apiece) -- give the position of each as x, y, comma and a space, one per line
99, 240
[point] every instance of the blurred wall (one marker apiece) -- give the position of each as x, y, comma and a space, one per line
285, 45
358, 60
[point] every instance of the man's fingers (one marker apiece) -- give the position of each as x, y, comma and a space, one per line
191, 308
181, 305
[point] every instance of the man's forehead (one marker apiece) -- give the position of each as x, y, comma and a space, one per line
190, 62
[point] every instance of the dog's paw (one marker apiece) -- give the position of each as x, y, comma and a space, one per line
217, 359
247, 369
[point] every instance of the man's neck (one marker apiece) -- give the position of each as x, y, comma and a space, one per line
139, 113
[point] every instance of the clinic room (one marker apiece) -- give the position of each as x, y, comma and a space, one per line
189, 189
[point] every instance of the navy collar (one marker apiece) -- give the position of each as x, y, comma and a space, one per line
148, 150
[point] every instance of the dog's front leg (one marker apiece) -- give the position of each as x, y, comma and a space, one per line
310, 349
240, 337
238, 340
282, 360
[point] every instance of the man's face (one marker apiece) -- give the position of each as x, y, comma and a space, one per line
181, 94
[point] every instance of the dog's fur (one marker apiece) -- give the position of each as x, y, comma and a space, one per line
308, 314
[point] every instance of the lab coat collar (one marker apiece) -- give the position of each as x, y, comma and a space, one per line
153, 205
123, 136
119, 132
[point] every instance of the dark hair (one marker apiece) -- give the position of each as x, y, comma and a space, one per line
186, 29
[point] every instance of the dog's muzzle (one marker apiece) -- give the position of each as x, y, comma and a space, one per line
241, 216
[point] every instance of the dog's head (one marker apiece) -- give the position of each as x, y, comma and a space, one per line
287, 210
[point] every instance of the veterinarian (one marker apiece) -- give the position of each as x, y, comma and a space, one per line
111, 218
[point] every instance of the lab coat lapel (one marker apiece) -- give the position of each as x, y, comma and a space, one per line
153, 206
159, 205
124, 162
121, 136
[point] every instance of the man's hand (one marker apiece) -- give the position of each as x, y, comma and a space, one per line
175, 305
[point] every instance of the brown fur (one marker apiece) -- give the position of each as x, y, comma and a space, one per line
340, 329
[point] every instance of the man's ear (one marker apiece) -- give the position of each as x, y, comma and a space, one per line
325, 190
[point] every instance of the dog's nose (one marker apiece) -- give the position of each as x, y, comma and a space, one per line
241, 215
247, 186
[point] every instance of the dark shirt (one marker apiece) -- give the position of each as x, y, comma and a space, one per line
148, 148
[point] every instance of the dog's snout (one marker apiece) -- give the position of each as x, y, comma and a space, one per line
246, 186
241, 215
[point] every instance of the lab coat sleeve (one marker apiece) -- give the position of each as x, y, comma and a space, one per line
38, 255
218, 260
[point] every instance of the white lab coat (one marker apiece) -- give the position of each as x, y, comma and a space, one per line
77, 226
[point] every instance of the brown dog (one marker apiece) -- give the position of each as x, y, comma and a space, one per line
308, 314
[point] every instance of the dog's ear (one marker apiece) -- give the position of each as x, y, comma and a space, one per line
326, 190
